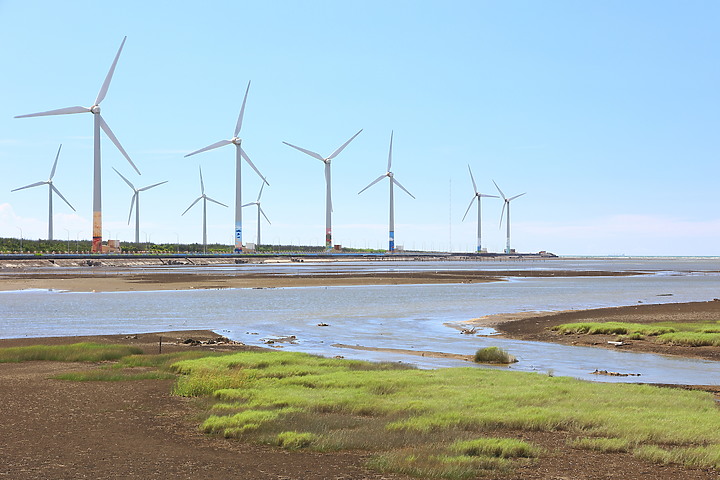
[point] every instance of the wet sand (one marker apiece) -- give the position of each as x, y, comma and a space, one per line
114, 280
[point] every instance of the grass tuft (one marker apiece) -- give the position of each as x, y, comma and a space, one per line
494, 355
494, 447
602, 444
295, 440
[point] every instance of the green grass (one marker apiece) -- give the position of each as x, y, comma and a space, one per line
494, 355
428, 423
77, 352
692, 334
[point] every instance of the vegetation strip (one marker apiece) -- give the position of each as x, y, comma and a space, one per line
450, 423
694, 334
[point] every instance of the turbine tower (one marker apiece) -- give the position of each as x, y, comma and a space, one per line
205, 199
477, 197
99, 123
393, 181
507, 220
259, 211
135, 203
51, 189
328, 196
239, 155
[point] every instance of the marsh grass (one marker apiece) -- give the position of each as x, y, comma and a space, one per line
77, 352
417, 420
494, 355
693, 334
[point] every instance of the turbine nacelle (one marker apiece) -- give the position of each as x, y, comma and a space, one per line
95, 109
236, 140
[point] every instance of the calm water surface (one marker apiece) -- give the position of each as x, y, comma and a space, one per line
405, 317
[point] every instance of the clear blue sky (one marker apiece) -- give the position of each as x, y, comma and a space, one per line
606, 113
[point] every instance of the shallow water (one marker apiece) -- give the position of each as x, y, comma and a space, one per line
404, 316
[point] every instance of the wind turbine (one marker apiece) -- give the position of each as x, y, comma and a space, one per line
389, 174
477, 197
135, 203
507, 220
259, 211
328, 196
205, 199
99, 123
239, 155
51, 189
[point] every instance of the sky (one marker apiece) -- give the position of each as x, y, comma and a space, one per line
606, 114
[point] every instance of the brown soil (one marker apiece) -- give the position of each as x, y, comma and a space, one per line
59, 429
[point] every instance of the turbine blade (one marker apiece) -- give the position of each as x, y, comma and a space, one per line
210, 147
486, 195
132, 205
108, 78
248, 204
516, 196
403, 188
52, 172
468, 209
36, 184
59, 111
262, 185
202, 184
61, 196
342, 147
502, 212
214, 201
473, 180
192, 205
501, 193
308, 152
390, 153
126, 180
242, 112
114, 139
372, 183
151, 186
263, 214
247, 159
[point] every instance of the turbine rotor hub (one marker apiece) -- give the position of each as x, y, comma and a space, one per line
236, 140
95, 109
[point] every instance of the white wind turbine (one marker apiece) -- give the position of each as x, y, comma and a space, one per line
507, 220
135, 203
259, 211
205, 199
239, 155
389, 174
99, 123
51, 189
477, 197
328, 197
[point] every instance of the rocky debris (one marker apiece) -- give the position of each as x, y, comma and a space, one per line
614, 374
220, 340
